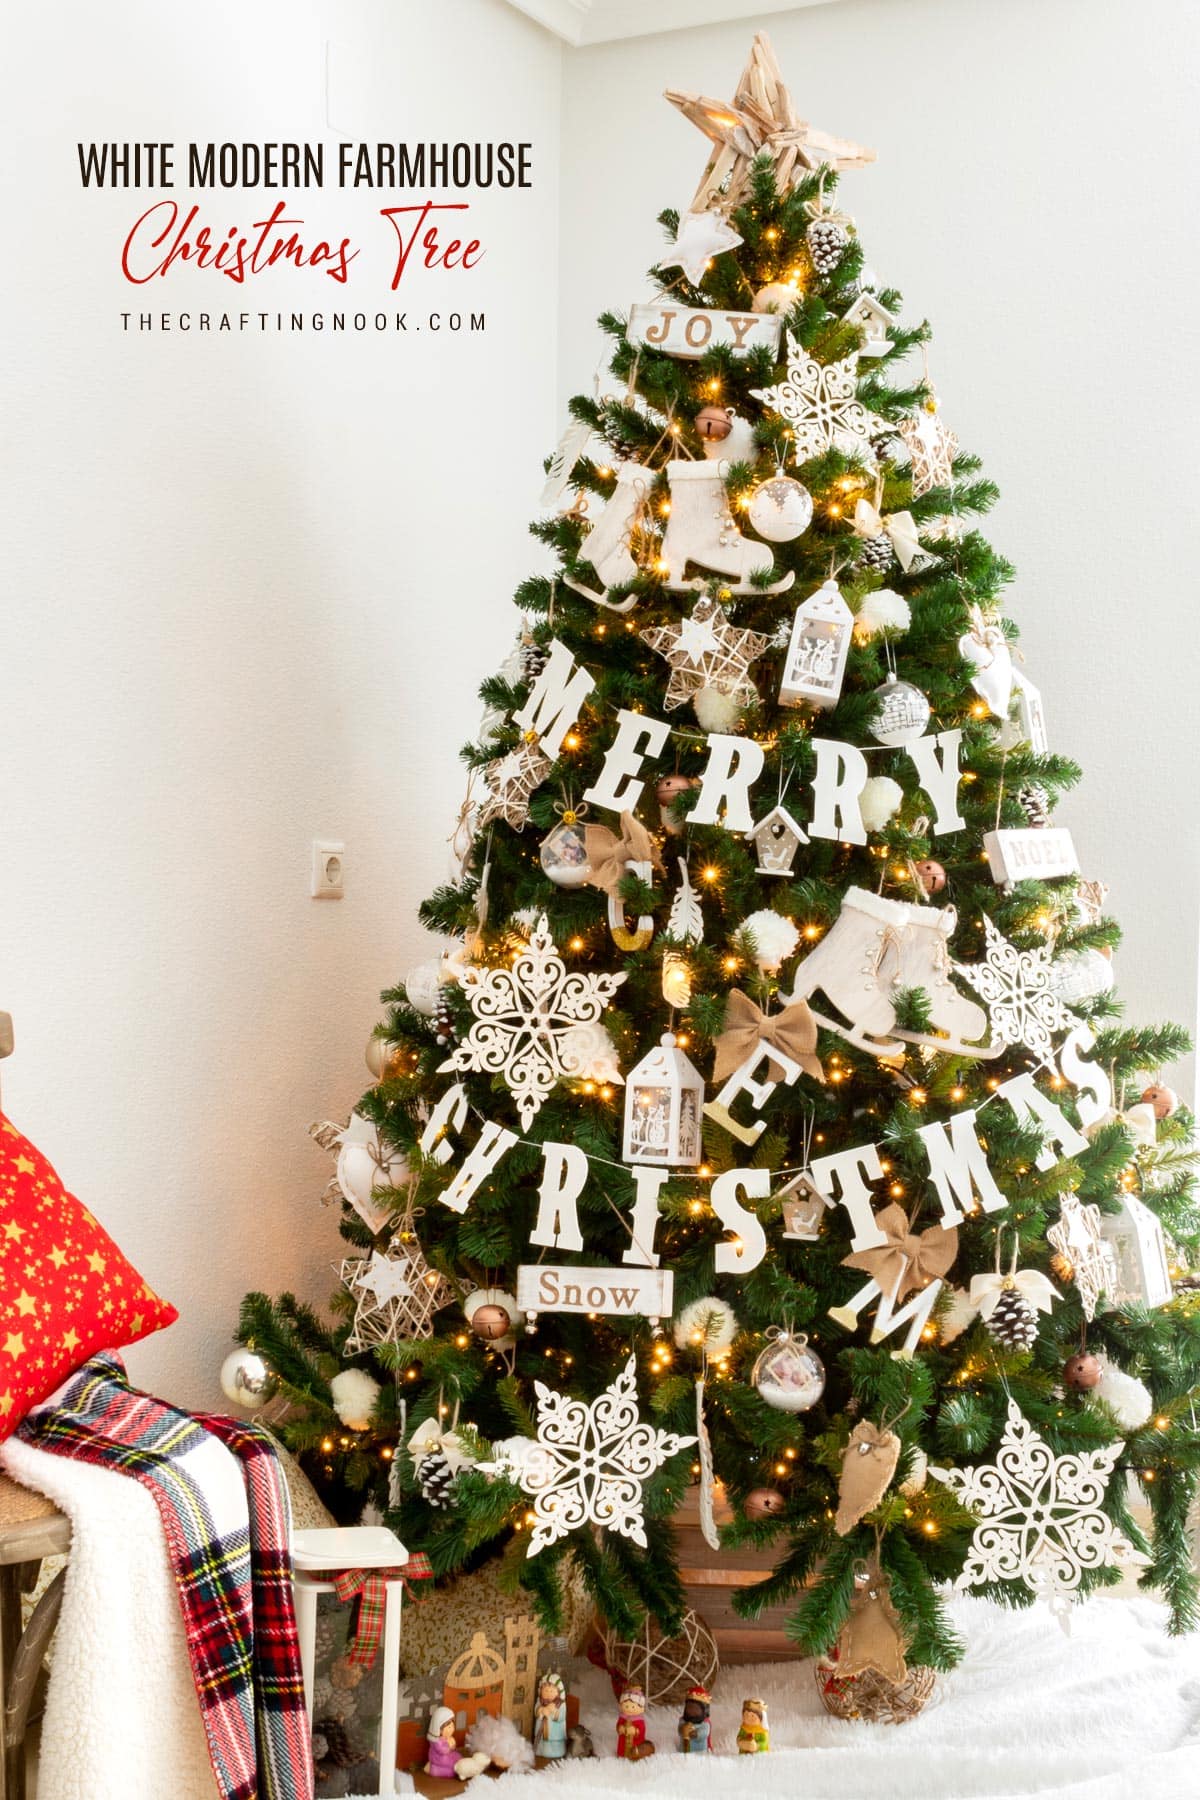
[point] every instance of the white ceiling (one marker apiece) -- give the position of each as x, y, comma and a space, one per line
580, 22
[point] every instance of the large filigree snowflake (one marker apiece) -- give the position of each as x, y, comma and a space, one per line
1041, 1517
527, 1019
820, 403
588, 1463
1016, 984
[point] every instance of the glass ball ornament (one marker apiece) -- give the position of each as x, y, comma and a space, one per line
563, 853
902, 712
780, 509
788, 1375
247, 1378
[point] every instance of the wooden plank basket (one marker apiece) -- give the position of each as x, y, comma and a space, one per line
710, 1578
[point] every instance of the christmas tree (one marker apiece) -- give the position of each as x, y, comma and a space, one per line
768, 1117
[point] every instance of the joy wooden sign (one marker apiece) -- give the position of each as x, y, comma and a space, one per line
549, 1287
690, 331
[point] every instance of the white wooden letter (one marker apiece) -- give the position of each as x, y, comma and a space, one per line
643, 1222
494, 1141
740, 1258
564, 1177
840, 1179
742, 1082
617, 786
450, 1114
1032, 1106
555, 699
840, 778
1093, 1089
959, 1168
734, 764
935, 758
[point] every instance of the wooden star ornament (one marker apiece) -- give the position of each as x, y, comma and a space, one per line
759, 118
706, 651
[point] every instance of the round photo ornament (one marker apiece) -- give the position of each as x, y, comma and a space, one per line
787, 1374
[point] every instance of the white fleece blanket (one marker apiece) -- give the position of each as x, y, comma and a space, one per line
1110, 1713
122, 1721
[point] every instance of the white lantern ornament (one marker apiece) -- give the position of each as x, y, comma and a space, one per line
1143, 1272
664, 1097
817, 652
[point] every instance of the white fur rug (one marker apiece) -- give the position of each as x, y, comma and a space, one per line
1111, 1712
122, 1720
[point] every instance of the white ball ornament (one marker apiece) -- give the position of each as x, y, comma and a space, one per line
247, 1378
882, 611
775, 938
1078, 976
715, 710
880, 800
776, 297
421, 985
708, 1324
780, 509
354, 1394
902, 713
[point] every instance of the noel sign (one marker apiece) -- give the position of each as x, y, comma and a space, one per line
690, 331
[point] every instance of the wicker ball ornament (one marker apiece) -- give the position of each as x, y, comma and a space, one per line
714, 422
763, 1503
665, 1668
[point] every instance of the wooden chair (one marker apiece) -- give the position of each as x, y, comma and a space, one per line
31, 1527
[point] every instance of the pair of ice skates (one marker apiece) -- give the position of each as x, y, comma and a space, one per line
700, 529
874, 949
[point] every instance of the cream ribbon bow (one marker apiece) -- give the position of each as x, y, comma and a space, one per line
1031, 1284
900, 528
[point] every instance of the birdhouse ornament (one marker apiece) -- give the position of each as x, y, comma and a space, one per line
776, 839
818, 648
664, 1097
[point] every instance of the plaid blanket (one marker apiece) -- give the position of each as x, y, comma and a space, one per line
224, 1511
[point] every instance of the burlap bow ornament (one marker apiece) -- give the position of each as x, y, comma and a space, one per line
609, 854
900, 528
909, 1260
792, 1031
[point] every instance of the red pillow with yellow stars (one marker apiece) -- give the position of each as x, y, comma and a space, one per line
66, 1291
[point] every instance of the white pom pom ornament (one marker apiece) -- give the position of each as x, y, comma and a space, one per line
717, 711
775, 937
1129, 1398
882, 611
354, 1394
879, 801
707, 1324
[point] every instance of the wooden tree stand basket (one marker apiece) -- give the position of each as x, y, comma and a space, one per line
711, 1578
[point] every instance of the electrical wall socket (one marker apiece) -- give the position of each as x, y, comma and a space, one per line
328, 870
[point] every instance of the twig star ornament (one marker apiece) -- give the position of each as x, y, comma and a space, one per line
700, 237
396, 1297
932, 448
760, 119
820, 402
1077, 1237
510, 783
706, 651
1023, 1006
527, 1019
1041, 1516
588, 1463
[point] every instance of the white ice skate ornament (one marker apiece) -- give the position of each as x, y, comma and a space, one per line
699, 238
524, 1017
820, 403
817, 650
588, 1463
876, 947
1041, 1517
702, 530
1018, 986
706, 651
932, 448
607, 545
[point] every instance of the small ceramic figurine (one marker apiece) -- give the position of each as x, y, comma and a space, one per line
632, 1741
550, 1717
753, 1733
695, 1729
445, 1757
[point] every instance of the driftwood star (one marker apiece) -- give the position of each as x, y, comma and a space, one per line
706, 651
760, 118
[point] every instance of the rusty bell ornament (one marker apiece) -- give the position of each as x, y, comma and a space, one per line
763, 1503
931, 876
1163, 1100
714, 422
1082, 1372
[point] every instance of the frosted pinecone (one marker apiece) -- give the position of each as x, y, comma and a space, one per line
435, 1478
827, 243
443, 1022
1035, 803
533, 661
1013, 1322
876, 553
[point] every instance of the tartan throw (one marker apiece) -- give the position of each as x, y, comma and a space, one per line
224, 1512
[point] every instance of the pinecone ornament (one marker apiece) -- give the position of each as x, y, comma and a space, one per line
1013, 1322
876, 553
828, 241
443, 1022
1035, 803
435, 1478
533, 659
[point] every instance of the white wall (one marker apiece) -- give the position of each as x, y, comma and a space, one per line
1030, 199
250, 586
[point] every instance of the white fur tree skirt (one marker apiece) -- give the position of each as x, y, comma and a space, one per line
1110, 1712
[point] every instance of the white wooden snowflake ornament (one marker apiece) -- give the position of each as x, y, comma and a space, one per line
588, 1463
527, 1019
1041, 1517
819, 401
1022, 1004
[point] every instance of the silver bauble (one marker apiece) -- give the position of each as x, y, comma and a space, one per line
780, 509
247, 1378
902, 713
563, 855
788, 1375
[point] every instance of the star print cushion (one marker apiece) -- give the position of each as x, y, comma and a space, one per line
66, 1291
